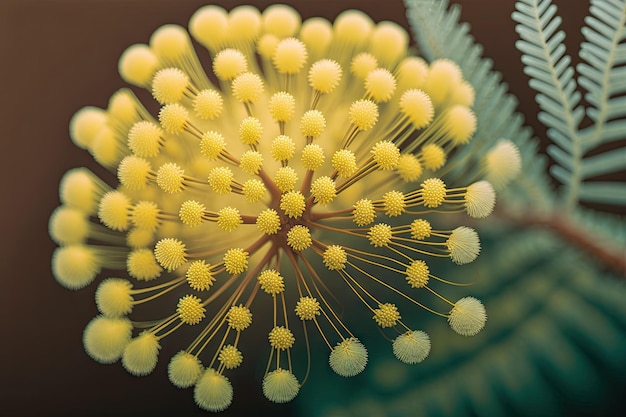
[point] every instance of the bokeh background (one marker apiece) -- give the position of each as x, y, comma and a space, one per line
57, 56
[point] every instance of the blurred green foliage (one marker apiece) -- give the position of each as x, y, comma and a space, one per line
555, 341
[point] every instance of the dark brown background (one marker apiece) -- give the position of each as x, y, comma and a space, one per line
55, 57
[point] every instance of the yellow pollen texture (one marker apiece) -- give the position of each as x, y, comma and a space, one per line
269, 161
386, 315
170, 178
363, 212
282, 106
386, 155
323, 190
307, 308
344, 161
324, 75
364, 114
335, 257
293, 204
239, 317
271, 281
230, 357
236, 261
394, 203
285, 178
199, 275
380, 235
420, 229
228, 219
191, 213
170, 253
220, 179
212, 144
250, 130
268, 221
417, 274
312, 123
251, 162
190, 309
299, 238
208, 104
433, 192
281, 338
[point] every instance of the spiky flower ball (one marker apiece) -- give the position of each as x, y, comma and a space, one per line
311, 157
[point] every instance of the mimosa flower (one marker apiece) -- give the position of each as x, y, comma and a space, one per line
311, 155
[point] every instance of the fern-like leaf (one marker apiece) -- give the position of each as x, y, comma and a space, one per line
552, 76
603, 75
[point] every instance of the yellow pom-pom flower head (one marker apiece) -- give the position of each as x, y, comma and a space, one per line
281, 20
134, 172
247, 87
299, 238
137, 65
239, 317
184, 369
468, 317
199, 275
169, 85
173, 118
190, 309
386, 315
145, 139
236, 261
412, 347
280, 386
307, 308
170, 253
324, 75
141, 354
363, 114
271, 281
75, 266
480, 199
463, 245
105, 338
380, 84
229, 63
433, 192
208, 104
312, 123
281, 338
114, 297
362, 64
348, 358
290, 56
230, 357
142, 264
432, 156
288, 160
213, 391
68, 225
282, 106
502, 163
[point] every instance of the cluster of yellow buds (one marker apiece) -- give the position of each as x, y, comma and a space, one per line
312, 155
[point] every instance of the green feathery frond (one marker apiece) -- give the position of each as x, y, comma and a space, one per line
601, 74
551, 75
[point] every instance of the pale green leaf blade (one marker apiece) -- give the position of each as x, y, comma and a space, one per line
604, 163
603, 192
